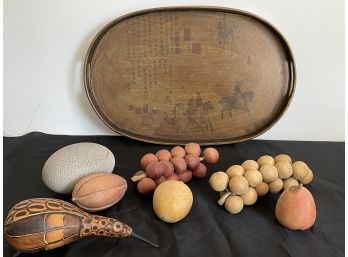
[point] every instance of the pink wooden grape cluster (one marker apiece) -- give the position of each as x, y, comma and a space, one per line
180, 163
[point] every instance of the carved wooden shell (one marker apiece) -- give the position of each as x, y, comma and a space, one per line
43, 224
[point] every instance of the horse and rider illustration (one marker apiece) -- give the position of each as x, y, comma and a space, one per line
197, 113
237, 101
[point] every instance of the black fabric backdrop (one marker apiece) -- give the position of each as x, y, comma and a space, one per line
208, 230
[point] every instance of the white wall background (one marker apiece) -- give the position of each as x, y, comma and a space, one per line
45, 42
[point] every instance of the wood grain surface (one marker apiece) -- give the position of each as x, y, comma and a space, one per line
46, 223
174, 75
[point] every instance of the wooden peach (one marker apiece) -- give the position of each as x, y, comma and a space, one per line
296, 208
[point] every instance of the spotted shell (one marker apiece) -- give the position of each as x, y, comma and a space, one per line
44, 223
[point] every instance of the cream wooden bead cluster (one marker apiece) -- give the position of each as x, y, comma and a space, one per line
242, 184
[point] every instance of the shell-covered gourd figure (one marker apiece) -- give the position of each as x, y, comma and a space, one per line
45, 223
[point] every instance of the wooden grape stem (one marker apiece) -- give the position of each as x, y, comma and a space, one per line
138, 177
224, 197
295, 188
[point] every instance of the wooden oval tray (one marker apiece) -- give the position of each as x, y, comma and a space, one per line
204, 74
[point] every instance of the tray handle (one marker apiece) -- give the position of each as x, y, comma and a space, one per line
89, 77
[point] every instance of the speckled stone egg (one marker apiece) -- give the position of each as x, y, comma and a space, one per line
65, 167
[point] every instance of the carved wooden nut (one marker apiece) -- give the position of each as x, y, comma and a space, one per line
99, 191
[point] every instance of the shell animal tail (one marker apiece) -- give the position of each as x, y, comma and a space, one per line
135, 235
16, 254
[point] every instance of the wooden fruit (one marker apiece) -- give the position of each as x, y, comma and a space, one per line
185, 176
283, 158
296, 208
163, 154
147, 158
219, 181
172, 201
192, 161
146, 186
250, 165
265, 159
308, 178
269, 173
234, 204
159, 181
276, 186
178, 151
284, 169
289, 182
238, 185
262, 189
300, 170
193, 148
254, 177
235, 170
99, 191
250, 196
200, 171
155, 169
211, 155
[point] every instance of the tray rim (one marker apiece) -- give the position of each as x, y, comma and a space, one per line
114, 127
